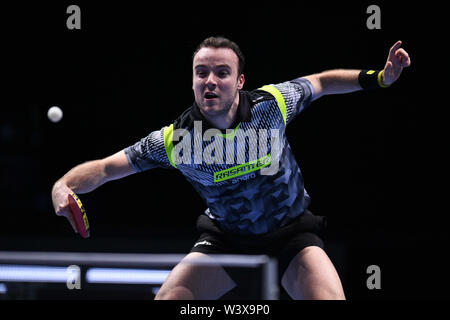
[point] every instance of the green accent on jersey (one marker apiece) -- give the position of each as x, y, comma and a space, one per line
231, 135
168, 143
279, 97
242, 169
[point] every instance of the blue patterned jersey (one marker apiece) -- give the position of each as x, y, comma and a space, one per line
247, 175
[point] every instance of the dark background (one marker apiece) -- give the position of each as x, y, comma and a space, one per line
371, 160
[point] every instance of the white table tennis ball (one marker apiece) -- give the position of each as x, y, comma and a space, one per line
55, 114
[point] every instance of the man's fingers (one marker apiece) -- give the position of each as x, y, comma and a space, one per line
397, 60
407, 63
403, 57
393, 50
396, 46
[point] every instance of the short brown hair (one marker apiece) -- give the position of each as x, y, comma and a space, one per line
222, 42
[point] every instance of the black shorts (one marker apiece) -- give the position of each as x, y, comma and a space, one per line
283, 244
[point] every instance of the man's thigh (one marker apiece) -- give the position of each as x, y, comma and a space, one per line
192, 280
311, 275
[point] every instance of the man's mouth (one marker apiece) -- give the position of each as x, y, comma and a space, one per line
210, 95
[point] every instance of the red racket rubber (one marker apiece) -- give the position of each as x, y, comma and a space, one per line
79, 215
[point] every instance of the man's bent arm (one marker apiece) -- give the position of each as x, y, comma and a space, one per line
87, 177
90, 175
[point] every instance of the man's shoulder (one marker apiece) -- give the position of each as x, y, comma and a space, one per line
257, 96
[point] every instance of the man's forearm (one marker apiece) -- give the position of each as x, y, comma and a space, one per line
336, 81
340, 81
85, 177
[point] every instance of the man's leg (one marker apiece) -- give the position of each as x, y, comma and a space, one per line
311, 275
189, 281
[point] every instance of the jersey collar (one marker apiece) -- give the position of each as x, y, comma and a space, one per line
243, 113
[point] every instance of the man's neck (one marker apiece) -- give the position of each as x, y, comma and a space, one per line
226, 120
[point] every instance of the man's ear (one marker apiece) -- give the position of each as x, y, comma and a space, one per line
241, 80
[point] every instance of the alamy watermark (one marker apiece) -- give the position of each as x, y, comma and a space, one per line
249, 150
73, 277
74, 20
374, 280
374, 20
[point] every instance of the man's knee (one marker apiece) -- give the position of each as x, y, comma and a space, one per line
334, 293
177, 293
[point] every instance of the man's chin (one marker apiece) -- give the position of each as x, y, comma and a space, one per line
213, 110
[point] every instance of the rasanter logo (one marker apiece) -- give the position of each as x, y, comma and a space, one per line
242, 169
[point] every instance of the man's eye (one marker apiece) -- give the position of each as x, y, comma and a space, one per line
223, 74
202, 74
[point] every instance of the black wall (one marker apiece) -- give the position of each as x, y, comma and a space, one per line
371, 160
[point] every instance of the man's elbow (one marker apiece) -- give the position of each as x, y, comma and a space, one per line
317, 84
116, 166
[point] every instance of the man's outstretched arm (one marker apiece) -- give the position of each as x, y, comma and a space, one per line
344, 81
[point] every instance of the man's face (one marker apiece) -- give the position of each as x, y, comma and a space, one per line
215, 80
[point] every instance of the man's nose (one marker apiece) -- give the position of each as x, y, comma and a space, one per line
211, 81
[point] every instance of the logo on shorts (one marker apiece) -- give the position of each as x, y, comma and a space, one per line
206, 243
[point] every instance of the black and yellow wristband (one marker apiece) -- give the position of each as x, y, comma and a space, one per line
371, 79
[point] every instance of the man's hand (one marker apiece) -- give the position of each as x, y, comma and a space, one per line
397, 60
60, 192
87, 177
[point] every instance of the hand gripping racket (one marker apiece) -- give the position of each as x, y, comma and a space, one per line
79, 215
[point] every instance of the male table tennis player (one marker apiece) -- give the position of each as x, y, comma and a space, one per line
255, 206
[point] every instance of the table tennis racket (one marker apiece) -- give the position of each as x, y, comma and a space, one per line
79, 215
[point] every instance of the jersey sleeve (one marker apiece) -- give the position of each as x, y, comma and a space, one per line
148, 153
297, 95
